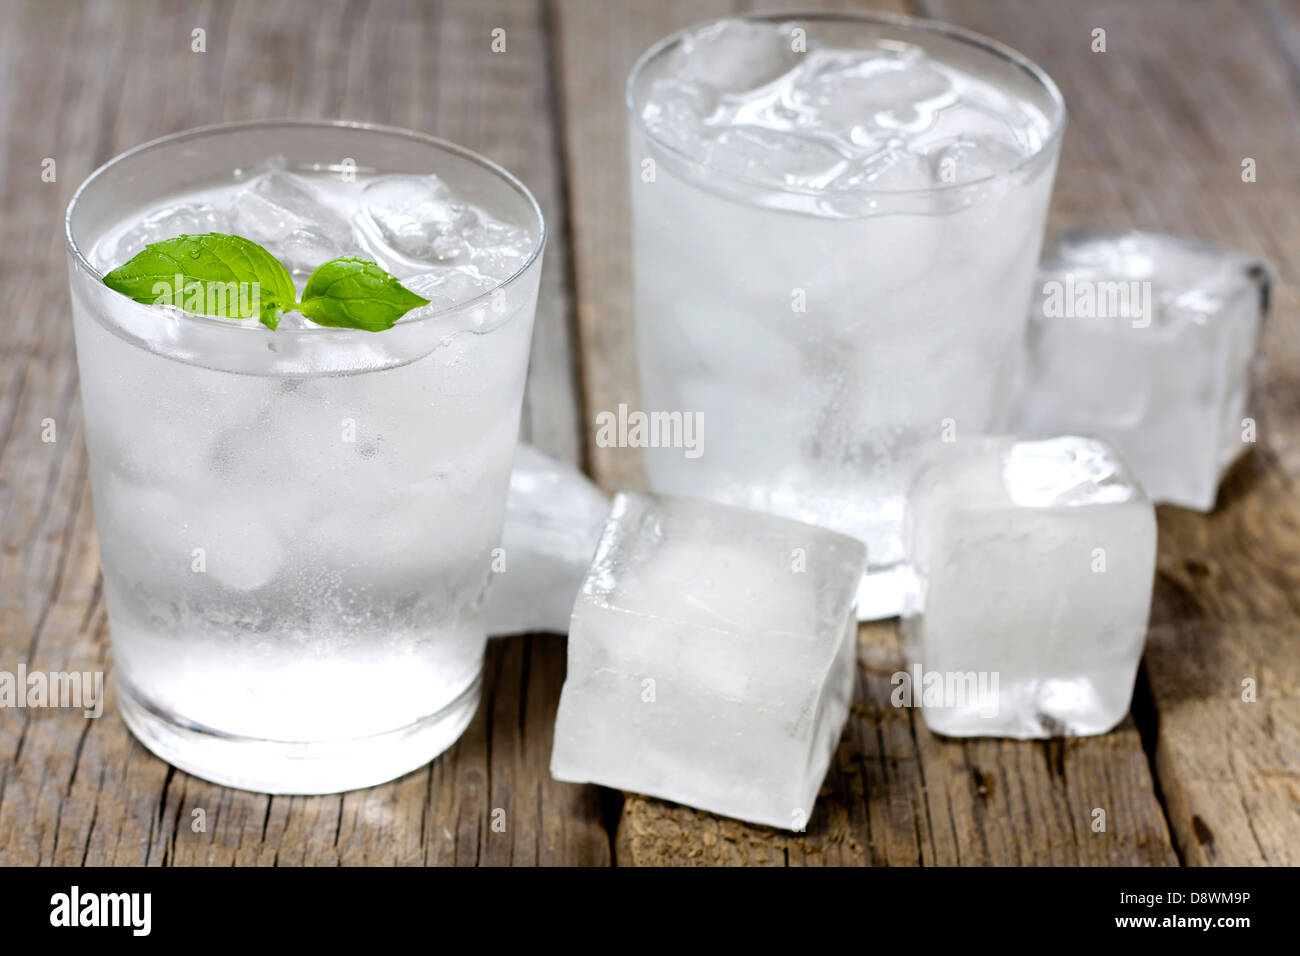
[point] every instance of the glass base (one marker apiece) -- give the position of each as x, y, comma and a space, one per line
296, 767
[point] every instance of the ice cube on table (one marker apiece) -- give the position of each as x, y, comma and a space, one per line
554, 516
711, 658
1149, 342
1034, 563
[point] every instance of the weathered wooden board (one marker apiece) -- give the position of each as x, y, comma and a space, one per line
82, 82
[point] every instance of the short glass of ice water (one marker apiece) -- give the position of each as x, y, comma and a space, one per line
836, 222
296, 526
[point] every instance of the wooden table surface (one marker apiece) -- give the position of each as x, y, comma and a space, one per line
1159, 126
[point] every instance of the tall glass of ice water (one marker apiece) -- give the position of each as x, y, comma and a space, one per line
296, 526
836, 221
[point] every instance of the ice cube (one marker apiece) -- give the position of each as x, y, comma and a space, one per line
857, 123
893, 169
735, 55
240, 550
861, 93
168, 535
496, 249
446, 286
554, 516
756, 153
1034, 562
711, 657
186, 219
417, 217
283, 212
970, 158
1150, 342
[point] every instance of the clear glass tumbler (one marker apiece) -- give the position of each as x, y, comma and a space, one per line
296, 526
825, 272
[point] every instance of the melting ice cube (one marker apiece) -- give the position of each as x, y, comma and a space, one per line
1034, 563
554, 516
1149, 342
711, 658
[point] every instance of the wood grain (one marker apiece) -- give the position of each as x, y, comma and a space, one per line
86, 80
1228, 757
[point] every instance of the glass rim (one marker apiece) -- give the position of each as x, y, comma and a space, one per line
919, 24
215, 129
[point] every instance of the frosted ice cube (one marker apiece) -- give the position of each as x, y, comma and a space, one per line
554, 516
284, 213
711, 656
1034, 564
1150, 342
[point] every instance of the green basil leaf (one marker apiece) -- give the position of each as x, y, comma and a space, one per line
352, 293
208, 274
